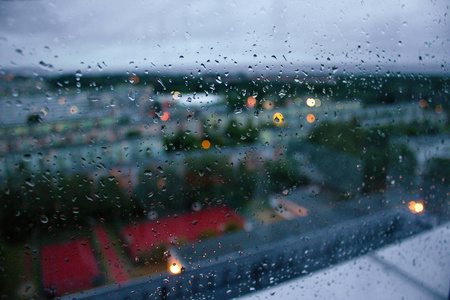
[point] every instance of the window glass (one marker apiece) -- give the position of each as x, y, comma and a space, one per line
211, 150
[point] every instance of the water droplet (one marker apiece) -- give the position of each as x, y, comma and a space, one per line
219, 79
148, 173
131, 96
44, 219
176, 95
133, 79
26, 157
161, 83
45, 66
167, 254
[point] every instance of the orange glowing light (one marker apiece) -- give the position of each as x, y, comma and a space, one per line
206, 144
73, 109
310, 118
422, 103
438, 109
278, 118
133, 79
268, 105
165, 116
175, 268
61, 101
161, 183
251, 102
416, 207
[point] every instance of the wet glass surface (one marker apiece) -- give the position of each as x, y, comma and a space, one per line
212, 150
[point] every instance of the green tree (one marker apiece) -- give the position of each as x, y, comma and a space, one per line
161, 189
282, 175
181, 141
342, 136
376, 159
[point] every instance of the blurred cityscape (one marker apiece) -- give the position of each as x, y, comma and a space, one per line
108, 179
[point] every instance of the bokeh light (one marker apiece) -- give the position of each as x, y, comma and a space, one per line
59, 127
268, 105
310, 118
416, 207
73, 109
133, 79
422, 103
278, 118
176, 95
310, 102
251, 102
44, 111
161, 183
165, 116
175, 268
318, 103
206, 144
438, 109
61, 101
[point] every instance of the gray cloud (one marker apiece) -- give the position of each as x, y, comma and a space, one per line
67, 33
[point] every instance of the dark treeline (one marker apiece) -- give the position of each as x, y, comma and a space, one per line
370, 89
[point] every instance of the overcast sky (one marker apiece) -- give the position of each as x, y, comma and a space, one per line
146, 35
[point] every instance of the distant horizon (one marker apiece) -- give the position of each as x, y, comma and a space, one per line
241, 69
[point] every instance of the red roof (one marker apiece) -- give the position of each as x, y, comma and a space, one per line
69, 267
187, 227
